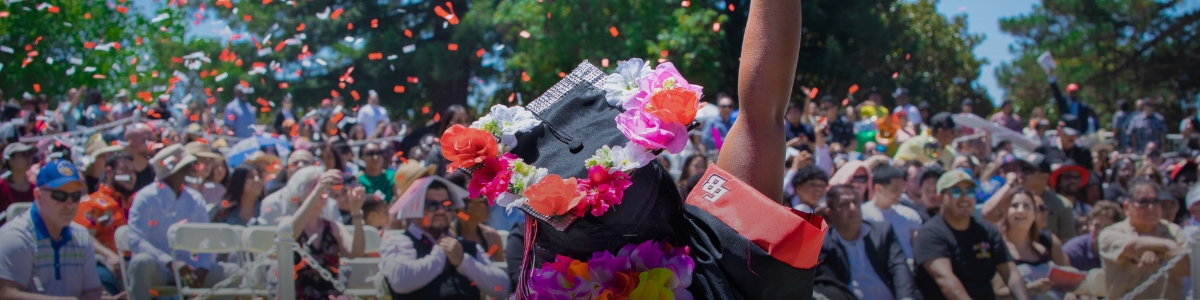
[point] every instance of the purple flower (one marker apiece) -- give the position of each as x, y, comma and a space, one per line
679, 262
649, 131
603, 266
664, 77
645, 256
552, 282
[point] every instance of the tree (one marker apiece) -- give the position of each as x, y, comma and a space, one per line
1123, 49
549, 38
81, 42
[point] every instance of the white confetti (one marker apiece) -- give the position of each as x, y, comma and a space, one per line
75, 61
49, 61
321, 62
195, 65
104, 47
42, 6
349, 39
160, 18
159, 88
392, 57
265, 51
221, 77
186, 98
89, 69
6, 49
68, 24
306, 63
71, 71
292, 42
122, 178
409, 48
324, 15
203, 244
181, 76
116, 67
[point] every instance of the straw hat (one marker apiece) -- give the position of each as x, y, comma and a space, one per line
409, 172
171, 160
203, 150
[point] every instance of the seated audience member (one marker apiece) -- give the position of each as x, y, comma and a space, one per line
286, 201
93, 168
1134, 249
809, 184
472, 228
155, 207
1032, 249
865, 256
323, 238
138, 137
887, 187
956, 254
44, 255
1082, 250
375, 214
376, 177
929, 202
104, 211
19, 158
912, 189
241, 203
857, 174
1193, 197
426, 261
203, 180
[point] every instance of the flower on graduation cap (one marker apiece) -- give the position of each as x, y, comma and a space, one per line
664, 77
651, 132
675, 105
602, 189
622, 86
553, 195
466, 147
492, 178
623, 159
506, 121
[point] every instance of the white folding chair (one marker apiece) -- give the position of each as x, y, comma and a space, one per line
121, 238
503, 242
373, 240
212, 238
364, 272
257, 240
16, 209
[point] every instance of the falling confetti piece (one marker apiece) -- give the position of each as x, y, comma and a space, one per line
447, 13
452, 47
53, 9
37, 88
716, 27
374, 23
407, 33
412, 79
480, 52
425, 110
562, 74
464, 216
604, 62
895, 75
730, 7
283, 85
613, 31
398, 89
247, 18
685, 3
354, 94
300, 28
409, 48
511, 96
853, 88
337, 13
375, 56
812, 94
524, 34
437, 117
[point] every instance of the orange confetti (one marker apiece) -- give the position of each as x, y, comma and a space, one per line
338, 117
283, 85
452, 47
89, 45
853, 88
265, 109
153, 292
238, 62
336, 13
279, 47
664, 53
375, 56
333, 131
464, 216
53, 9
412, 79
349, 26
133, 79
492, 250
398, 89
211, 101
562, 74
613, 31
37, 88
447, 13
437, 117
374, 23
425, 110
480, 52
511, 96
812, 93
87, 15
354, 94
686, 3
265, 2
730, 7
247, 18
408, 33
139, 41
524, 77
295, 130
716, 27
300, 28
334, 93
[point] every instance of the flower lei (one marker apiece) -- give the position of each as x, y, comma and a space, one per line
658, 106
644, 271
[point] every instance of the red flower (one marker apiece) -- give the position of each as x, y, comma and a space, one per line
465, 147
491, 180
602, 190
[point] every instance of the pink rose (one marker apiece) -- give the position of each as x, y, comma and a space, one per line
491, 180
649, 131
603, 190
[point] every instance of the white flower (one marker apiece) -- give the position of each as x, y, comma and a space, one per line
623, 85
503, 120
630, 157
510, 201
507, 143
524, 175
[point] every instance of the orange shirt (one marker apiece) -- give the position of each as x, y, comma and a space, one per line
102, 214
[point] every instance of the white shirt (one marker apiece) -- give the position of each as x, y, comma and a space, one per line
155, 208
864, 282
405, 272
905, 221
370, 116
914, 114
275, 207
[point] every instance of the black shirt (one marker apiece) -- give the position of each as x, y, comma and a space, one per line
144, 177
841, 131
1081, 156
973, 253
801, 129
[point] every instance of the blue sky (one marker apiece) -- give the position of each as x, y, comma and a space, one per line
983, 16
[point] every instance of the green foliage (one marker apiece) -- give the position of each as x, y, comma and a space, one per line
59, 37
1120, 49
564, 33
888, 44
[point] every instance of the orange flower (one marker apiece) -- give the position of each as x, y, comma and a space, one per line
579, 268
465, 147
553, 195
675, 105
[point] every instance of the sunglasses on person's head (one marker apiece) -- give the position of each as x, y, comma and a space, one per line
61, 196
433, 205
957, 192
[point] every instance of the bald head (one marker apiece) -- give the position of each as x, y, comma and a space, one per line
137, 135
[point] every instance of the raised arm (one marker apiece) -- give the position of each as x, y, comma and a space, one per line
770, 50
1059, 100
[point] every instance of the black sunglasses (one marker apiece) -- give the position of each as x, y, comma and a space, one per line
375, 153
432, 206
64, 196
725, 106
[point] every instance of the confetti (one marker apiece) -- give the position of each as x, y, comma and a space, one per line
524, 34
53, 9
447, 13
408, 33
853, 88
604, 62
812, 93
464, 216
398, 89
300, 28
409, 48
37, 88
452, 47
613, 31
374, 23
375, 56
480, 52
71, 71
337, 13
6, 49
730, 7
159, 18
221, 77
412, 79
717, 27
89, 69
685, 3
354, 94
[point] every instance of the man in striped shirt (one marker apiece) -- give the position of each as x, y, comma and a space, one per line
44, 255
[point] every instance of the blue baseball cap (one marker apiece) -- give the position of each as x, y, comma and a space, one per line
57, 173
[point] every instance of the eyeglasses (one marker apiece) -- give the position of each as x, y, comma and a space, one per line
64, 196
432, 206
859, 179
300, 163
379, 153
1147, 202
957, 192
725, 106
